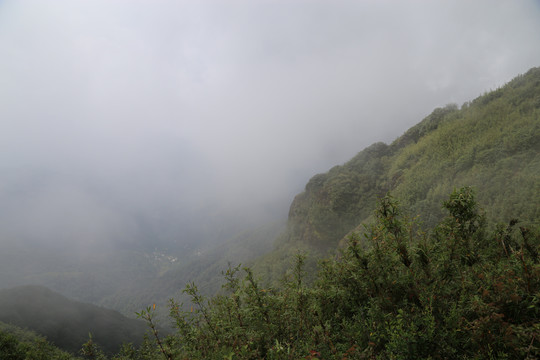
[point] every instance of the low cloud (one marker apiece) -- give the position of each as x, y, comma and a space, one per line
117, 113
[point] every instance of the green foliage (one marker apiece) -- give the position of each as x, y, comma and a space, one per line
492, 142
397, 292
147, 315
19, 344
10, 348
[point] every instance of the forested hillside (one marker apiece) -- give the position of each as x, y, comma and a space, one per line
67, 323
491, 143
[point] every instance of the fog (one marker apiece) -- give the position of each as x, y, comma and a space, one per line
164, 122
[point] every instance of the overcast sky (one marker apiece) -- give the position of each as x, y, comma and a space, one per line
166, 107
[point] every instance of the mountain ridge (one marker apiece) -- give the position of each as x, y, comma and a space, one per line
491, 143
66, 322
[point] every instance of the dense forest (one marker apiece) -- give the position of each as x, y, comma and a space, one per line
424, 248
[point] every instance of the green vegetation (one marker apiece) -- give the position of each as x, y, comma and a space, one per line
19, 344
491, 143
458, 291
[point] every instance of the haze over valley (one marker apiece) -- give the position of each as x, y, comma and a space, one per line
147, 144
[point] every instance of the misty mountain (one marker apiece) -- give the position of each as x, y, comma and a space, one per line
491, 143
66, 323
146, 145
129, 279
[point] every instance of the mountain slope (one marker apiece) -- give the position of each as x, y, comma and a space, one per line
65, 322
491, 143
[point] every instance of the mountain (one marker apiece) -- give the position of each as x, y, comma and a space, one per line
67, 323
491, 143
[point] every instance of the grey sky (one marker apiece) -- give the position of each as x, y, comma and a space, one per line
115, 110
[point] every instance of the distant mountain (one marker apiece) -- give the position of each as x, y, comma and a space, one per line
491, 143
67, 323
129, 279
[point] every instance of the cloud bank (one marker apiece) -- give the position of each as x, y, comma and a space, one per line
173, 114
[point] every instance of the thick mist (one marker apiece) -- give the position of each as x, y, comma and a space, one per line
168, 122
